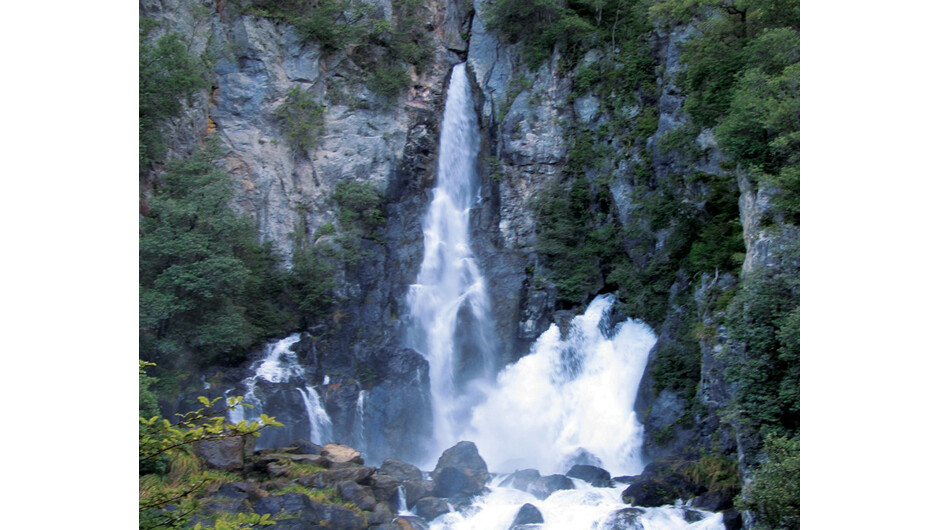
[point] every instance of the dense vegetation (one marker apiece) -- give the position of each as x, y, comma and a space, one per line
168, 74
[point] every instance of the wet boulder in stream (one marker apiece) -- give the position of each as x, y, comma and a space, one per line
460, 470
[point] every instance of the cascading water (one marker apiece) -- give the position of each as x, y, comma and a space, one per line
570, 400
448, 302
279, 367
568, 396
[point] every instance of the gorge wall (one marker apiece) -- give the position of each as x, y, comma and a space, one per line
662, 217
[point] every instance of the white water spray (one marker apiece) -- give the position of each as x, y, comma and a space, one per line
450, 292
568, 395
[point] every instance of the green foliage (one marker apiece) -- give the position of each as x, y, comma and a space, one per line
167, 75
712, 472
388, 80
301, 119
171, 478
360, 207
743, 79
207, 288
764, 317
380, 46
312, 281
774, 494
539, 25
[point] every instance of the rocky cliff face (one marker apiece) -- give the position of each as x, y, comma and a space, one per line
366, 138
529, 119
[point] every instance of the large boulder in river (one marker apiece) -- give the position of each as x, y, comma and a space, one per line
528, 514
545, 486
460, 470
593, 475
521, 479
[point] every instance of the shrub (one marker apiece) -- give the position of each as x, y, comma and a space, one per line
301, 119
774, 494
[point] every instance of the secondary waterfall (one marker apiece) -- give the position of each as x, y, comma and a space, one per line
276, 375
448, 302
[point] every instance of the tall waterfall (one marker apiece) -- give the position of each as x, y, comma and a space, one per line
449, 303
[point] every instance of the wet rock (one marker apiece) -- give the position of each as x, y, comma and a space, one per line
385, 488
521, 479
593, 475
732, 520
431, 507
545, 486
649, 493
341, 454
460, 469
713, 501
303, 447
625, 519
382, 513
582, 457
401, 471
416, 490
362, 497
527, 514
325, 479
691, 516
227, 454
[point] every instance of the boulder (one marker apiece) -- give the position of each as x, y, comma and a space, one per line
521, 479
460, 469
625, 519
650, 493
545, 486
713, 501
527, 514
732, 520
329, 477
401, 471
227, 454
362, 497
430, 508
593, 475
416, 490
341, 454
385, 488
383, 513
304, 447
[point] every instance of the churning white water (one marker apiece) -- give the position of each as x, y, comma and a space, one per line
279, 365
582, 508
450, 292
568, 395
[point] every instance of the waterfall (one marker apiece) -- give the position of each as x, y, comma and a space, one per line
321, 428
361, 421
569, 396
449, 303
279, 370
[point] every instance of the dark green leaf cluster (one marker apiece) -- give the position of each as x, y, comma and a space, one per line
207, 288
743, 79
301, 119
765, 317
774, 494
168, 74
